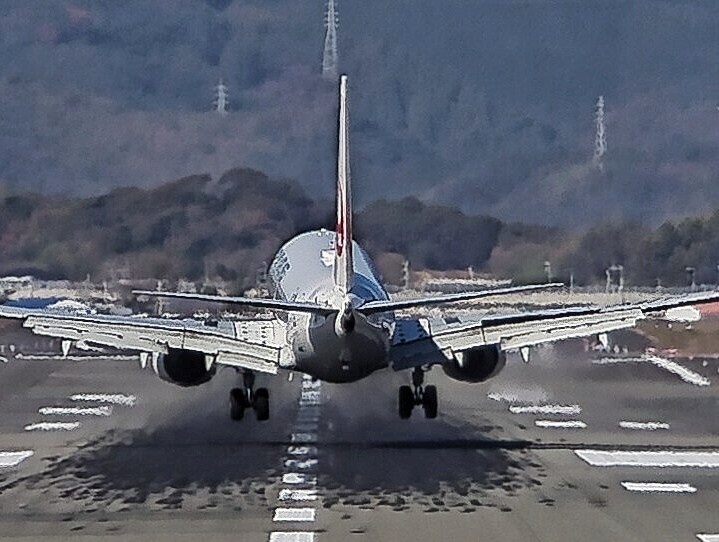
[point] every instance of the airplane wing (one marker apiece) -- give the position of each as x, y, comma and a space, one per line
258, 345
426, 341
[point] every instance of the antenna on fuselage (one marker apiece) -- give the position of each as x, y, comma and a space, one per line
344, 269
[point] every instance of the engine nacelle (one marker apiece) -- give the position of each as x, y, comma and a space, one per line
184, 368
476, 364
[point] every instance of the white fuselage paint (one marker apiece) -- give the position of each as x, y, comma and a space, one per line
300, 272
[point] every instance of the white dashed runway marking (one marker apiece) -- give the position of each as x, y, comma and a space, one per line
546, 409
292, 537
299, 478
303, 437
300, 464
10, 459
561, 424
53, 426
519, 395
658, 487
112, 398
294, 514
298, 494
668, 458
74, 411
302, 450
643, 426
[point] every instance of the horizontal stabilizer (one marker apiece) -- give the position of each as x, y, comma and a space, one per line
394, 305
251, 302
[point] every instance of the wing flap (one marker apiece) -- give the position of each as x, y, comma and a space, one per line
401, 304
254, 344
514, 336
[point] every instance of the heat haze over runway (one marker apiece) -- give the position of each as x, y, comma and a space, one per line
565, 448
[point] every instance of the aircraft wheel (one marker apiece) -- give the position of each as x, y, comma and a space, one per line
406, 402
262, 404
237, 404
429, 402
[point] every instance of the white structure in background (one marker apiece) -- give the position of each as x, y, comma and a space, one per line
329, 55
220, 102
600, 137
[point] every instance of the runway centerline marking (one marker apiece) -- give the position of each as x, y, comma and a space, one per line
658, 487
52, 426
545, 409
299, 478
302, 450
561, 424
303, 437
647, 426
292, 536
298, 495
300, 464
661, 459
294, 514
75, 411
112, 398
10, 459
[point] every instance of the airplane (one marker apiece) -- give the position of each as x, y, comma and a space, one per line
334, 321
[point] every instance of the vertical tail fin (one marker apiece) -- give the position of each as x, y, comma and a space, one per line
344, 270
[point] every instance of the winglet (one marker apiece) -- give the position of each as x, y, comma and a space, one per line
344, 270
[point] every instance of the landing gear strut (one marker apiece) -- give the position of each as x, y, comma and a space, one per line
420, 395
241, 399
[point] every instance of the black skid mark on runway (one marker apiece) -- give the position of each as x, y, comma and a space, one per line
438, 476
189, 462
440, 465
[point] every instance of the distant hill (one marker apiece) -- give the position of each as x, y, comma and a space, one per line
229, 228
195, 227
484, 104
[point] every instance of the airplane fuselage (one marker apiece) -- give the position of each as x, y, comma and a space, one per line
302, 270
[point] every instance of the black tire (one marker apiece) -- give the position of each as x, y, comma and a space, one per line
429, 402
262, 404
406, 402
237, 404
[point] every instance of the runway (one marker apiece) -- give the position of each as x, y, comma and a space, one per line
563, 448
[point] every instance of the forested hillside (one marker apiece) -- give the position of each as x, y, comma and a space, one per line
196, 227
486, 105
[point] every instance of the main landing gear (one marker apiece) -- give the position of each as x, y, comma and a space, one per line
421, 395
242, 399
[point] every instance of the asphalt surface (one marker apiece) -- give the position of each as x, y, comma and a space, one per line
167, 463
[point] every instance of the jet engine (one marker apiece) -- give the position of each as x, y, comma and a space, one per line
476, 364
184, 368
